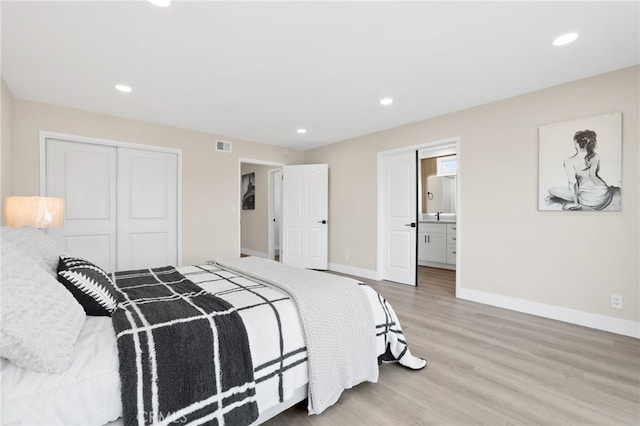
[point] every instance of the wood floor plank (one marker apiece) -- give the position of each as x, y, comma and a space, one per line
489, 366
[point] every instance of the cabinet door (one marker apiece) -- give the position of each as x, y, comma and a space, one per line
422, 246
451, 254
433, 247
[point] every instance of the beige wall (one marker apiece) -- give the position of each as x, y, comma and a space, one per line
255, 223
508, 248
6, 145
210, 179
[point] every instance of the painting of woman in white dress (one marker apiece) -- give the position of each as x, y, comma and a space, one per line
587, 182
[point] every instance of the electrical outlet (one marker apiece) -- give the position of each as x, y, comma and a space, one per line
616, 301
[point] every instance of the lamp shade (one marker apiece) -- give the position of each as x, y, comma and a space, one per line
39, 212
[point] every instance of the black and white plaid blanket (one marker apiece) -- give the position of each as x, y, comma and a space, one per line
275, 335
184, 353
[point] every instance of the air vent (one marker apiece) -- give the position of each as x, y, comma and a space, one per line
223, 146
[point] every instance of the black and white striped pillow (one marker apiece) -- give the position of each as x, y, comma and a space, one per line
90, 285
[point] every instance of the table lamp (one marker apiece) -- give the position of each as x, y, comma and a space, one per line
38, 212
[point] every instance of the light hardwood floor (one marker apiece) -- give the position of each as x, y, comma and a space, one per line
489, 366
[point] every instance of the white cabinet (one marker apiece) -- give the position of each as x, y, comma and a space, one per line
437, 244
432, 242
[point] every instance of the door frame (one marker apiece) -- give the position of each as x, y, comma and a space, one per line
381, 197
271, 236
277, 165
44, 135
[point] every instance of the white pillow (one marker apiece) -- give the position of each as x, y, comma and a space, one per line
36, 244
40, 319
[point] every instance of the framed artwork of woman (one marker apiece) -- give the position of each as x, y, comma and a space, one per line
580, 164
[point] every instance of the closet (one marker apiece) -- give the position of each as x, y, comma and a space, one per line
121, 201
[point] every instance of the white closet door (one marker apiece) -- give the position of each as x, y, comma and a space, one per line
147, 209
85, 176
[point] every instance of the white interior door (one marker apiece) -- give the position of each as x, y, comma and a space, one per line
85, 176
305, 210
147, 209
400, 217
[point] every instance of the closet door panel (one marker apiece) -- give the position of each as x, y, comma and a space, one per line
97, 249
148, 187
147, 208
85, 176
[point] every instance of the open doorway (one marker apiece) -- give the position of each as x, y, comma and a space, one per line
260, 208
437, 207
296, 225
448, 244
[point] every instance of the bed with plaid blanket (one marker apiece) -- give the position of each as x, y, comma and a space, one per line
275, 336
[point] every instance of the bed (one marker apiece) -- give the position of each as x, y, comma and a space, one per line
288, 361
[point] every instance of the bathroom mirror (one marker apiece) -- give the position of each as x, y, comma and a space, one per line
441, 194
438, 192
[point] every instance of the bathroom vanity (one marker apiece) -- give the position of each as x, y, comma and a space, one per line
437, 244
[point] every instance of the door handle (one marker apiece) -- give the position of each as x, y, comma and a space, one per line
412, 224
324, 222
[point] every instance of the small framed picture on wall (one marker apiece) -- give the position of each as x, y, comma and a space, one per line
248, 191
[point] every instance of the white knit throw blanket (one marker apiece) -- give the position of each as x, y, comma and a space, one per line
337, 321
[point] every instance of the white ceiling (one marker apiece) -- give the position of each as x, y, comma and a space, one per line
260, 70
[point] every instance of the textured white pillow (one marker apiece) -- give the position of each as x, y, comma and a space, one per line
36, 244
40, 319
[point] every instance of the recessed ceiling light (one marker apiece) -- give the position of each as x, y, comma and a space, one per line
565, 39
124, 88
160, 3
302, 131
386, 101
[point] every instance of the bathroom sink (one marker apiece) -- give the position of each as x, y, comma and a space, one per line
442, 217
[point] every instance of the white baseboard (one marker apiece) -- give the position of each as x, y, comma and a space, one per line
572, 316
353, 270
254, 253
